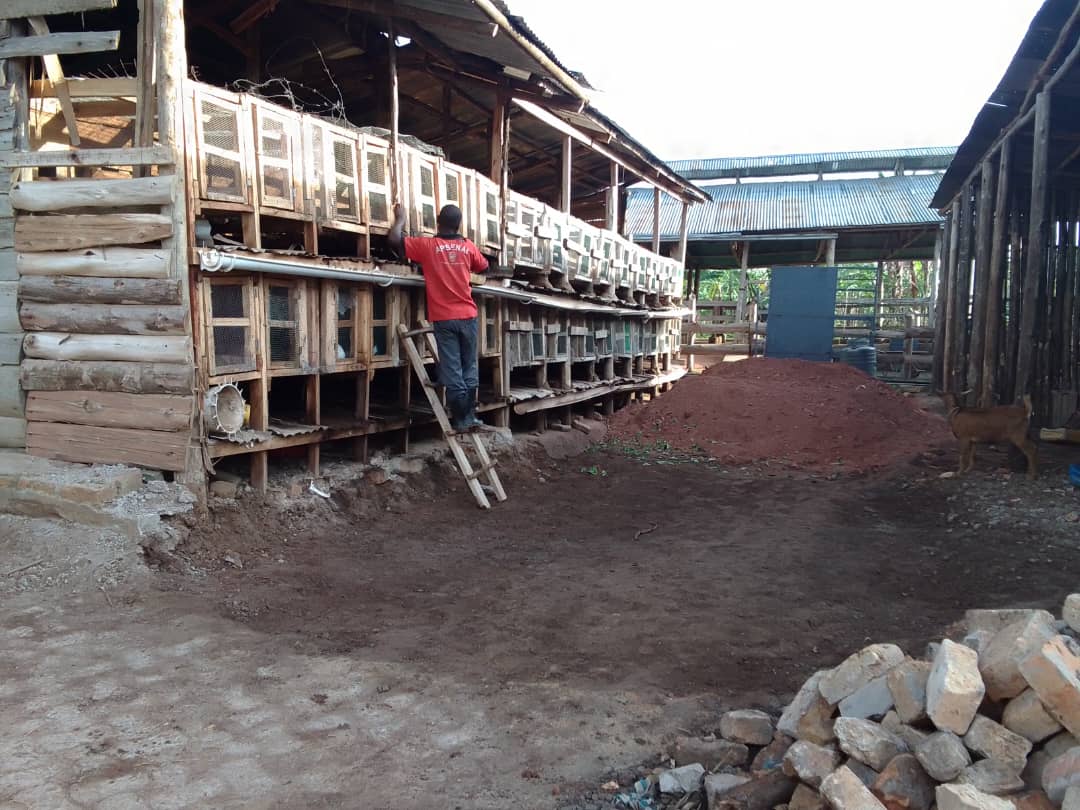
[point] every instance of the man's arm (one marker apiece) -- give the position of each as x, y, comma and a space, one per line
396, 237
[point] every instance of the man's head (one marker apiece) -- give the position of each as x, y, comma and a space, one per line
450, 219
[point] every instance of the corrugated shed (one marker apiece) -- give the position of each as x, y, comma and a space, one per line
930, 157
793, 206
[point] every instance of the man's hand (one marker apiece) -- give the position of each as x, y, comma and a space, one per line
396, 237
399, 214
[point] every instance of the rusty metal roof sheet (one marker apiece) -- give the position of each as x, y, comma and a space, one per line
791, 206
929, 157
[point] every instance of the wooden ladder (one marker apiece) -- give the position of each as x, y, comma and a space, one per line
487, 465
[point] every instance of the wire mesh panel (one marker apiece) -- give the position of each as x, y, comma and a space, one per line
343, 176
376, 184
277, 145
315, 166
229, 315
550, 235
581, 241
347, 347
456, 188
283, 324
423, 201
490, 214
223, 146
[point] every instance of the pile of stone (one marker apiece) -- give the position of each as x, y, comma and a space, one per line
990, 721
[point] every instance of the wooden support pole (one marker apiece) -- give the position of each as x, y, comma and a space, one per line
395, 115
962, 292
611, 213
830, 253
1035, 259
744, 267
941, 309
684, 232
984, 222
566, 191
656, 220
145, 59
998, 247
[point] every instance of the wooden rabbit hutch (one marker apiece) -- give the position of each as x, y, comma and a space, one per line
194, 202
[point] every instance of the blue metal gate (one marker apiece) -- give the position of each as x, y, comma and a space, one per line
802, 313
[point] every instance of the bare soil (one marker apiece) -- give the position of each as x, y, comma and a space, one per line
395, 647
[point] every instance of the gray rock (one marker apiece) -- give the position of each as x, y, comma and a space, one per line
966, 797
845, 791
954, 688
991, 777
857, 670
747, 726
904, 783
717, 785
1026, 715
907, 684
710, 753
682, 780
868, 742
810, 763
872, 701
809, 715
943, 756
996, 742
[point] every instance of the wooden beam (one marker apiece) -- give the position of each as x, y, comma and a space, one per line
984, 226
252, 14
122, 87
111, 409
961, 314
122, 348
497, 153
941, 304
611, 201
395, 115
110, 262
56, 76
156, 449
103, 319
1038, 227
53, 44
14, 9
92, 291
744, 281
145, 65
656, 219
40, 196
998, 249
139, 156
99, 375
36, 233
949, 327
566, 191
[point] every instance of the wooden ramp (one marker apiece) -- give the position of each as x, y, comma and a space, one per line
486, 466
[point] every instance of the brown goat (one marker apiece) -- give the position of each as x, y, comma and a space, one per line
1004, 423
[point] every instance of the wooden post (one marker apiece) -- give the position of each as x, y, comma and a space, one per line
830, 253
962, 291
1036, 246
145, 66
744, 266
566, 192
948, 328
656, 220
611, 215
313, 413
1016, 285
998, 246
395, 114
940, 316
984, 223
684, 233
498, 129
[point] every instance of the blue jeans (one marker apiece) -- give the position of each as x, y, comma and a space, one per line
458, 362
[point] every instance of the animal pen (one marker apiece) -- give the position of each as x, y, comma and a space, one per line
169, 244
1008, 303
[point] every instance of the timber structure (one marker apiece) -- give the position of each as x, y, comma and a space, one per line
1008, 306
164, 238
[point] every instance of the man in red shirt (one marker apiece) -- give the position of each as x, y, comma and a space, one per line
447, 260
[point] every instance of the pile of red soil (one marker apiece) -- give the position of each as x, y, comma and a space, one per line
810, 416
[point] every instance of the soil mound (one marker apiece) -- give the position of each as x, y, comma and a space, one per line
809, 416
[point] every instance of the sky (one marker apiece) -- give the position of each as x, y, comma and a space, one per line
725, 78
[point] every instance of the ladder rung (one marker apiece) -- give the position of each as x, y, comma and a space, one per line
414, 332
483, 469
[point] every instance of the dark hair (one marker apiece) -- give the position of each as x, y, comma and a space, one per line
450, 219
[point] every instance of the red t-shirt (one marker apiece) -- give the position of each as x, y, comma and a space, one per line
447, 264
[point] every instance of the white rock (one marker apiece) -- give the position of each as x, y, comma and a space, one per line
1071, 611
807, 717
868, 742
997, 620
954, 689
907, 684
810, 763
1072, 799
747, 726
681, 780
871, 701
999, 663
845, 791
996, 742
859, 669
966, 797
1053, 671
1060, 774
1026, 715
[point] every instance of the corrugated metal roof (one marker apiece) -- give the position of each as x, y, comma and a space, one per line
930, 157
1004, 103
811, 205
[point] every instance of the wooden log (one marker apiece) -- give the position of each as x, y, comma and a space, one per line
102, 319
72, 289
11, 395
941, 307
110, 409
1035, 259
983, 232
998, 247
75, 231
132, 378
123, 348
97, 262
73, 42
126, 156
949, 362
156, 449
963, 294
12, 432
14, 9
41, 196
1015, 287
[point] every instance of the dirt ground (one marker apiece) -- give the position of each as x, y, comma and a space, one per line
393, 647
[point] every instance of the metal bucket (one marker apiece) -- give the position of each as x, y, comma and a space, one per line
223, 409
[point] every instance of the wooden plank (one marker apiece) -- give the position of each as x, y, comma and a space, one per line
566, 189
941, 305
97, 262
145, 107
998, 246
109, 409
984, 221
74, 231
14, 9
132, 378
948, 328
73, 42
156, 449
121, 87
11, 395
962, 293
74, 289
123, 156
39, 196
56, 75
12, 432
1035, 250
123, 348
103, 319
